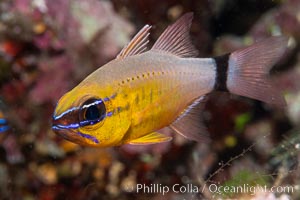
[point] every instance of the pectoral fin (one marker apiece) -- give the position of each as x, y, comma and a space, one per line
151, 138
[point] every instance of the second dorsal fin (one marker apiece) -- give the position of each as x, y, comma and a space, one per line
137, 45
176, 40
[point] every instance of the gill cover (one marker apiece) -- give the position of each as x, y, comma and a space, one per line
89, 119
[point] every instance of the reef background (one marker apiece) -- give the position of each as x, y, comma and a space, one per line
47, 47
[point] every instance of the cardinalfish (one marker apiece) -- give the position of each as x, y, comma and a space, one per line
129, 99
3, 124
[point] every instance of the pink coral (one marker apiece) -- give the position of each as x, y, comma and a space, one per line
53, 81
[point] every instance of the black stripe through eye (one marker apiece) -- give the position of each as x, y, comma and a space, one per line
91, 112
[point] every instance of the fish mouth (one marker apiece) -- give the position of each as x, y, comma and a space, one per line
64, 124
66, 133
70, 132
65, 129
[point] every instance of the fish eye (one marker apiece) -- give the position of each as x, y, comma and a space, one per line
92, 111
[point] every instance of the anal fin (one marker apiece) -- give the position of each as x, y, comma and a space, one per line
151, 138
190, 123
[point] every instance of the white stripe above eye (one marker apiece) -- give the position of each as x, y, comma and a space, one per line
66, 112
92, 104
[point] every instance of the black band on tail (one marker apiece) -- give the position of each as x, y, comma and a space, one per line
221, 72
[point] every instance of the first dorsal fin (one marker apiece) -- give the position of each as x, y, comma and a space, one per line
137, 45
190, 123
176, 40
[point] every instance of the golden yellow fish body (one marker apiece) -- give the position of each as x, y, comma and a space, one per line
130, 98
146, 92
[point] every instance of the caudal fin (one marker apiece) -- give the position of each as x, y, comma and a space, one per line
248, 70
